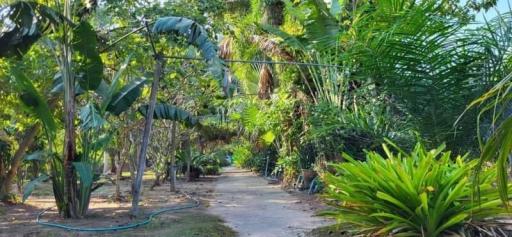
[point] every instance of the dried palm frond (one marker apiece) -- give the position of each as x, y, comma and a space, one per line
271, 47
265, 85
226, 49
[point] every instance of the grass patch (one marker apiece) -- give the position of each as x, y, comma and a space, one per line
190, 224
330, 230
185, 224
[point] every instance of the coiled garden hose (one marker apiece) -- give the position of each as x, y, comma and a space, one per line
146, 221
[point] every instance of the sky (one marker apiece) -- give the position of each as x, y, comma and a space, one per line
501, 6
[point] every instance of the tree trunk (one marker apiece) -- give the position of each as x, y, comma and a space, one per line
137, 186
28, 139
174, 143
157, 180
132, 161
186, 147
119, 169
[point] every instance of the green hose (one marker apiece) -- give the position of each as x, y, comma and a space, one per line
146, 221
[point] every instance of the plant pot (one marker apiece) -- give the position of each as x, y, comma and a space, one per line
194, 173
308, 175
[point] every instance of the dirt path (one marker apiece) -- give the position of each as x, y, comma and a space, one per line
252, 207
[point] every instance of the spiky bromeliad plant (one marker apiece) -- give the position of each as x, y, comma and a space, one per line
421, 193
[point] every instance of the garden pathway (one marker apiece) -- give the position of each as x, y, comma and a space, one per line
252, 207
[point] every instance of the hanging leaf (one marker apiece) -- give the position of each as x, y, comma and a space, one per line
29, 188
33, 100
123, 99
195, 35
171, 112
90, 66
22, 24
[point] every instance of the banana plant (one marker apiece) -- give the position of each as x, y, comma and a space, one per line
24, 23
115, 99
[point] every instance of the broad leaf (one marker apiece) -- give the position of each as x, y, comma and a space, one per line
106, 91
90, 66
123, 99
195, 35
34, 101
90, 118
171, 112
22, 24
58, 86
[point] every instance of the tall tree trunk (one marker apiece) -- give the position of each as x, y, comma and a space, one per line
174, 143
186, 147
27, 140
137, 186
132, 160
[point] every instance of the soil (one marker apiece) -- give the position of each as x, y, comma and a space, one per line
19, 220
237, 201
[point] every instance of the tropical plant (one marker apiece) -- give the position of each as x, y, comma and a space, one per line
421, 193
496, 142
241, 155
27, 22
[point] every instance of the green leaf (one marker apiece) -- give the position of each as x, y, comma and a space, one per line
108, 93
34, 101
23, 23
124, 98
29, 188
171, 112
268, 137
36, 156
195, 35
90, 118
90, 65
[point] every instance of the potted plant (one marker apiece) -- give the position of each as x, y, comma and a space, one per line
307, 157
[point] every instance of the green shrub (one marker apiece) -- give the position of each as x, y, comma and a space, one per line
241, 155
424, 193
211, 170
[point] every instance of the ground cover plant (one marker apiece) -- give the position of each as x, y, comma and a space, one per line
421, 193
